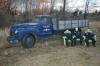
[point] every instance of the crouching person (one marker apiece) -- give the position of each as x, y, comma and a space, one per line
67, 38
89, 37
77, 36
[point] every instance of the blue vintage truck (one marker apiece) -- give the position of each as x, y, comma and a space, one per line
42, 26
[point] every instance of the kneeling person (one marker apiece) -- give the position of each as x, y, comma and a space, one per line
68, 37
89, 36
77, 36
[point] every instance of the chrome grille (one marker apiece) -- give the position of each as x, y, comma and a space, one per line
11, 33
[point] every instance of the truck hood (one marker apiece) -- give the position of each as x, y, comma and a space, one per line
25, 24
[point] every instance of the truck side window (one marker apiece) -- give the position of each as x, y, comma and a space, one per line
45, 20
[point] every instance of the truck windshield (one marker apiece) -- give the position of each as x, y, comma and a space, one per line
35, 19
46, 20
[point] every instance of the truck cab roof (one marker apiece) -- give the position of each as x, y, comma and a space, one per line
42, 16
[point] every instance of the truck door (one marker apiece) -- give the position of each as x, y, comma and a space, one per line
46, 27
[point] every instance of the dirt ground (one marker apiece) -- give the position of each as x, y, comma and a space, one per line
51, 52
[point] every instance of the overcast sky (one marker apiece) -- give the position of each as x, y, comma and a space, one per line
70, 4
73, 4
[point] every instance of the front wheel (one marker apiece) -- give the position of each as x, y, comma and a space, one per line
28, 41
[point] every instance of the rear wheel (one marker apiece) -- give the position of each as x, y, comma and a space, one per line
28, 41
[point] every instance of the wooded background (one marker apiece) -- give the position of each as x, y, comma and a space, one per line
10, 13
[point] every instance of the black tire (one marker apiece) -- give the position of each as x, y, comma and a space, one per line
25, 41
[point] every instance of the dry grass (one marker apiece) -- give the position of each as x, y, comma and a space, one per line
3, 38
51, 52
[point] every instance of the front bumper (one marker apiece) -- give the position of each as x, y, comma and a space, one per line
12, 40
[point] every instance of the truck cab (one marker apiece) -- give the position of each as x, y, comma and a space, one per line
28, 33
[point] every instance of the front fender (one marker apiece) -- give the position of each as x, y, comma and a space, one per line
33, 32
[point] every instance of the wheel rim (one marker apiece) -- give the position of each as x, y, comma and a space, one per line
29, 41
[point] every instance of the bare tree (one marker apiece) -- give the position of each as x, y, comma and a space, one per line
86, 9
